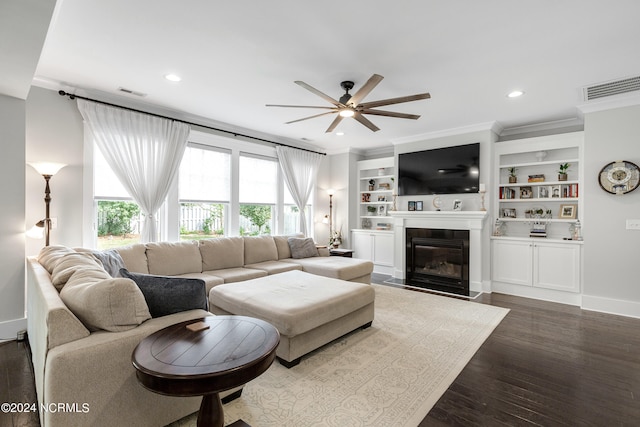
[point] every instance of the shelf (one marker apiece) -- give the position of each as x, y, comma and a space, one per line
367, 178
538, 239
544, 163
376, 191
539, 200
567, 221
376, 203
539, 183
376, 216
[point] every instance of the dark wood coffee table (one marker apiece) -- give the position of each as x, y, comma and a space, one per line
177, 361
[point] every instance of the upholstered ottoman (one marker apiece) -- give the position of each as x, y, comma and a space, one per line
308, 310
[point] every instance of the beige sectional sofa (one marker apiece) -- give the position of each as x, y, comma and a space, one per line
83, 355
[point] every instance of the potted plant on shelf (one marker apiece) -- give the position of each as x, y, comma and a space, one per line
372, 210
513, 178
336, 239
562, 171
372, 184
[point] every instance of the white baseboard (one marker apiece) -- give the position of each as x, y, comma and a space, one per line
611, 306
9, 329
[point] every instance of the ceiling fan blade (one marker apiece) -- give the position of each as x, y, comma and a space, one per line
334, 124
389, 114
362, 119
299, 106
320, 94
398, 100
365, 89
311, 117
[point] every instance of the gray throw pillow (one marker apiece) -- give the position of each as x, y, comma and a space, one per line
167, 295
302, 247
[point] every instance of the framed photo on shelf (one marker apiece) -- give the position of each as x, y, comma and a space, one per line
526, 192
568, 211
508, 213
382, 198
412, 206
543, 192
382, 210
419, 205
555, 191
457, 205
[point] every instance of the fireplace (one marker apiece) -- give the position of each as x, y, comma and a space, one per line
438, 259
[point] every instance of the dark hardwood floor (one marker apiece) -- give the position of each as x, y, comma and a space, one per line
546, 364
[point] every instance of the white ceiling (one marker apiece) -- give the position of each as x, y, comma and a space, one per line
236, 56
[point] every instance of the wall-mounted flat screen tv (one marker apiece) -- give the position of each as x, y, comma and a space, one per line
448, 170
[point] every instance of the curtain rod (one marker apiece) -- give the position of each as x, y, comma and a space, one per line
72, 96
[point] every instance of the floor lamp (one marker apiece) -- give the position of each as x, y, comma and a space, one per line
330, 192
47, 170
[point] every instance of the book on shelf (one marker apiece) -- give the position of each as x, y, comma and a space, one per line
507, 193
537, 233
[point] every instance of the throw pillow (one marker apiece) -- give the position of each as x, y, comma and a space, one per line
101, 302
168, 295
302, 248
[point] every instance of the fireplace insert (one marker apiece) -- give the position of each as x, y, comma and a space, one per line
438, 259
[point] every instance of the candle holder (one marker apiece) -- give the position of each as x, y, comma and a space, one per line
482, 208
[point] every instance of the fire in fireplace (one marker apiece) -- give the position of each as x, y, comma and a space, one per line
438, 259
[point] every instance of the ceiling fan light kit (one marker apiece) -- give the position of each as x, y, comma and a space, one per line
352, 106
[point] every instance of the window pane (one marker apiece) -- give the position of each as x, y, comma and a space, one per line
258, 180
205, 175
256, 219
119, 223
201, 220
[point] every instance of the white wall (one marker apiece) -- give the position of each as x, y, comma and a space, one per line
611, 261
12, 226
54, 133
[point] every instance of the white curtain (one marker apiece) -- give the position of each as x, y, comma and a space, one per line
300, 169
144, 152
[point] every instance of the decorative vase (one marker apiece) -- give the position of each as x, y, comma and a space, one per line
513, 179
562, 177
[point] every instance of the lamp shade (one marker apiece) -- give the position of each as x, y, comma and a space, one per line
47, 168
331, 191
35, 232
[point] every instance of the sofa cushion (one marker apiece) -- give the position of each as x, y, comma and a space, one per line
274, 267
221, 253
282, 243
102, 302
69, 264
134, 257
259, 249
335, 266
237, 274
168, 295
302, 247
171, 258
50, 255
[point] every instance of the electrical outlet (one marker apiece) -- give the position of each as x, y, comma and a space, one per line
633, 224
54, 223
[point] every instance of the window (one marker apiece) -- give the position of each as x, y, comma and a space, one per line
204, 192
258, 189
292, 214
117, 216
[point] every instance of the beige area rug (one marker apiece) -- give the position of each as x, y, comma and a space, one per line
390, 374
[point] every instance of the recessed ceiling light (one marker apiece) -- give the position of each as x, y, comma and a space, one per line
173, 77
339, 133
515, 94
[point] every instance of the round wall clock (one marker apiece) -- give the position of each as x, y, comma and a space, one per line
619, 177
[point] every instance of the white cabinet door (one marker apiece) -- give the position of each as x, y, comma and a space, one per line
362, 245
512, 261
383, 249
556, 266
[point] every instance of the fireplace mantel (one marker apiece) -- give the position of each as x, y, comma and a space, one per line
456, 220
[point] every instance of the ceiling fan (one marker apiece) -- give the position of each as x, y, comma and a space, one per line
352, 106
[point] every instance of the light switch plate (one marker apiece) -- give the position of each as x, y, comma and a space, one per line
633, 224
